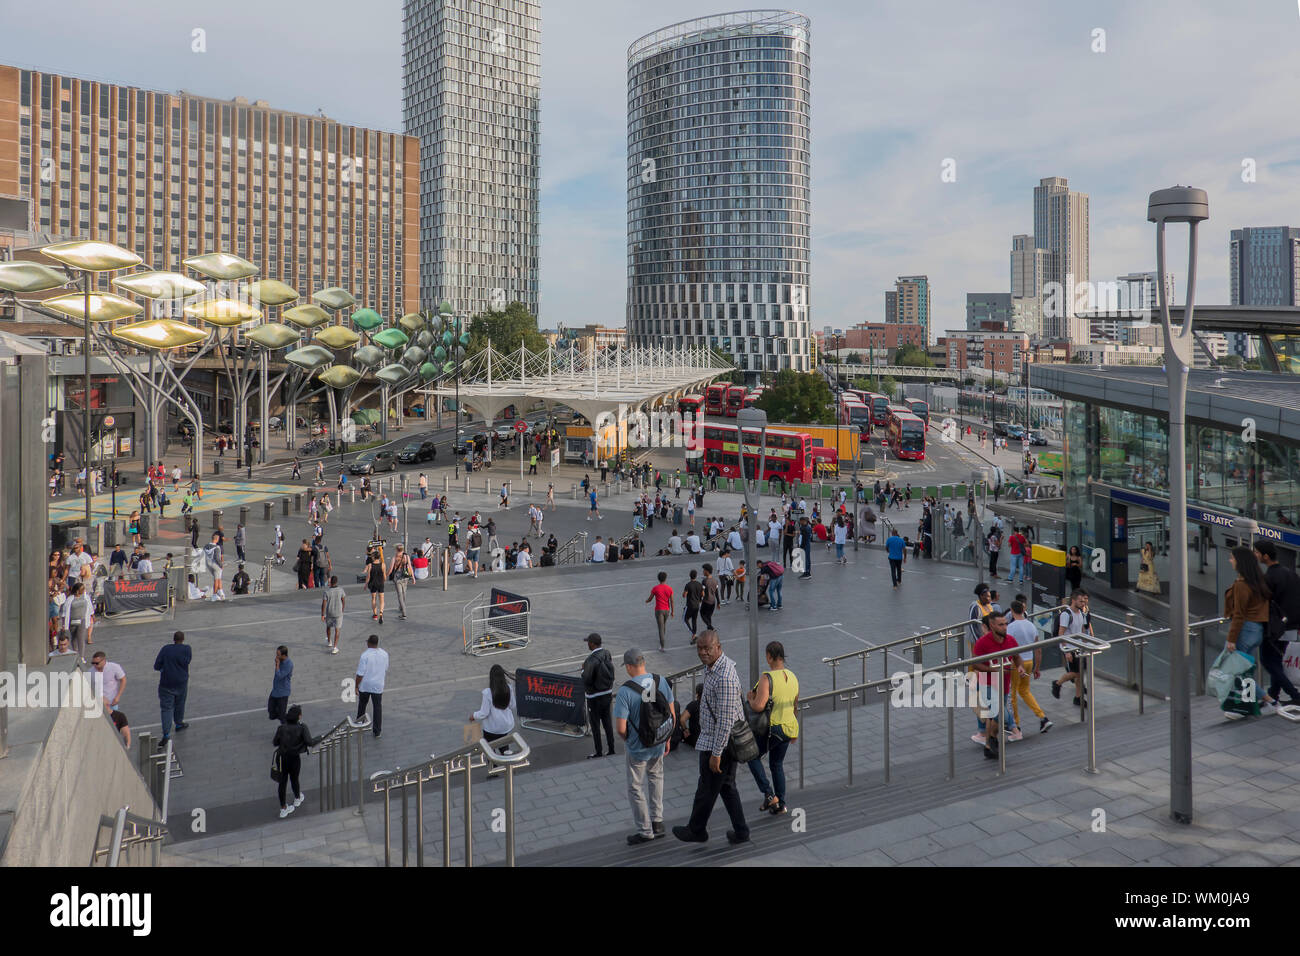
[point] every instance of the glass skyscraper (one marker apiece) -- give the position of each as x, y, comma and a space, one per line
718, 187
470, 78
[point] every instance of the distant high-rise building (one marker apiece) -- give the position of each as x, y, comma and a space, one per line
987, 309
909, 303
470, 84
1132, 292
1061, 228
718, 187
1263, 269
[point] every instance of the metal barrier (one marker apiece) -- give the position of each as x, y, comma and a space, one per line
158, 767
461, 761
573, 551
484, 630
334, 768
128, 832
1087, 646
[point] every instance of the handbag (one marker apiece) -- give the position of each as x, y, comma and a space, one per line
760, 721
741, 745
277, 767
472, 733
1222, 678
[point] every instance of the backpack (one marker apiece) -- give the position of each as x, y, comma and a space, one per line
654, 724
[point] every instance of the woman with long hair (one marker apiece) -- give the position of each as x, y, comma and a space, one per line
1148, 580
496, 712
778, 685
1246, 603
292, 740
1074, 568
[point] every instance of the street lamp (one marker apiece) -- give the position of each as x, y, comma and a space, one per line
975, 477
754, 418
1192, 206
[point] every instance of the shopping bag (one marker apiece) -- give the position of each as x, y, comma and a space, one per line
1221, 679
473, 732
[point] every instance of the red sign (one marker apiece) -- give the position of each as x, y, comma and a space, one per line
521, 426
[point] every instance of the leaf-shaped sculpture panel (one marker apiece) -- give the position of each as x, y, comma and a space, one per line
310, 357
90, 255
424, 339
428, 370
393, 374
28, 277
414, 356
160, 285
271, 292
306, 316
412, 322
225, 266
390, 338
367, 319
274, 336
160, 334
104, 306
339, 376
335, 298
337, 337
440, 354
223, 313
370, 356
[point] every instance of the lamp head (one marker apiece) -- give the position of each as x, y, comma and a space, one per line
1245, 525
751, 417
1178, 204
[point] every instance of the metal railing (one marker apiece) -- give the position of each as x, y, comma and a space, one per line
128, 833
1085, 645
573, 551
158, 767
334, 768
462, 761
486, 630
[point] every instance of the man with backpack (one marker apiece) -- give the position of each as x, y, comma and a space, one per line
645, 716
598, 682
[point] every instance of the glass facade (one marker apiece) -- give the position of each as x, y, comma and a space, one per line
718, 188
470, 86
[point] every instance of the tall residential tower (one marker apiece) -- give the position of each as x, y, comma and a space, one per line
718, 187
1061, 228
470, 85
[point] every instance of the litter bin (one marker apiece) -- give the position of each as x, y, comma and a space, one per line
297, 501
243, 514
148, 525
284, 506
114, 533
216, 466
266, 511
216, 518
177, 581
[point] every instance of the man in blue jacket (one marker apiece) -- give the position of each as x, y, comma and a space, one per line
173, 665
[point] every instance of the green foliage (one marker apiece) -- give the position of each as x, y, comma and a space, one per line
1231, 361
854, 358
507, 330
800, 398
914, 356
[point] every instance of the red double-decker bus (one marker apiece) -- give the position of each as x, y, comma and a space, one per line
692, 405
789, 454
735, 399
920, 409
715, 399
906, 436
853, 412
879, 405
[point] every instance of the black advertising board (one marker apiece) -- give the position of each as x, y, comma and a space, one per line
556, 697
121, 594
503, 602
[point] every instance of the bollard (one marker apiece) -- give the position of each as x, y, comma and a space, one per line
216, 518
530, 487
467, 484
354, 495
243, 514
487, 486
446, 483
284, 506
573, 491
297, 501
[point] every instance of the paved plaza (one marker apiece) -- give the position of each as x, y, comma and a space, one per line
573, 810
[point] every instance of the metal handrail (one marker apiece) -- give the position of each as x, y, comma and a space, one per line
572, 551
334, 769
1084, 644
153, 833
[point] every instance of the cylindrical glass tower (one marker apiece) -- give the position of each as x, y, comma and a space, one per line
717, 187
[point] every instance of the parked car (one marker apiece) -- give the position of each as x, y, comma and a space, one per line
1000, 428
370, 462
504, 432
418, 451
1015, 431
1036, 438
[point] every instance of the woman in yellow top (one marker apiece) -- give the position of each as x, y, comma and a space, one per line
779, 685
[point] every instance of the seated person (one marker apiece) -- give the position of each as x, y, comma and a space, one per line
760, 539
628, 551
819, 529
639, 545
195, 592
123, 728
552, 544
675, 544
458, 562
239, 584
693, 543
512, 553
548, 559
524, 558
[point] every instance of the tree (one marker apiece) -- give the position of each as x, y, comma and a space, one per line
1232, 361
854, 358
799, 398
506, 330
913, 356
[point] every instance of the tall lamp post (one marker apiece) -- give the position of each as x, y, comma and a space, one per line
754, 418
1192, 206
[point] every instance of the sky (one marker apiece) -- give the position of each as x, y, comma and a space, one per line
1192, 92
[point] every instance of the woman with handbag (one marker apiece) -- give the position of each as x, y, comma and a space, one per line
773, 705
1147, 578
292, 740
400, 572
496, 714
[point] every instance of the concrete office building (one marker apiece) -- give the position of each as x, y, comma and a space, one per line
718, 188
1133, 292
988, 310
470, 86
310, 201
1262, 270
1061, 228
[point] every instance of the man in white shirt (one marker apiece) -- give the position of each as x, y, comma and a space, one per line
693, 543
734, 542
524, 558
77, 559
458, 562
1031, 659
107, 679
372, 669
675, 544
598, 551
144, 566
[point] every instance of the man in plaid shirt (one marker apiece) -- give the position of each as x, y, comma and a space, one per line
720, 708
